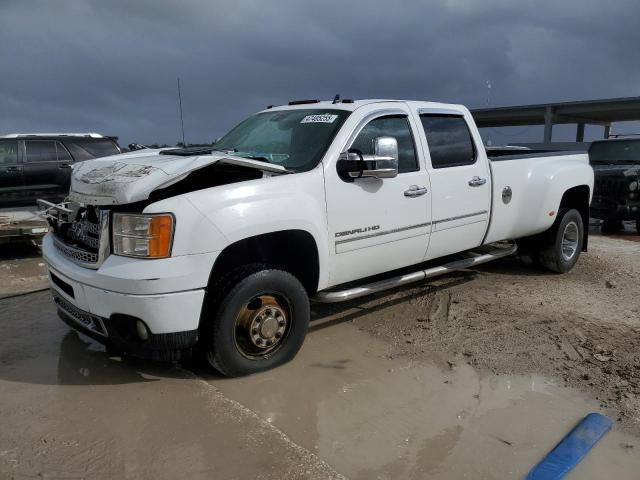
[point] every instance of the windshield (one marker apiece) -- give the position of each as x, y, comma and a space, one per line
615, 151
295, 139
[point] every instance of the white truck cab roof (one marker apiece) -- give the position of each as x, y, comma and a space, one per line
352, 105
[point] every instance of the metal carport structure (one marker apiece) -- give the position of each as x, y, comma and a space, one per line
586, 112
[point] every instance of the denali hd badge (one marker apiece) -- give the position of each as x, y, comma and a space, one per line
372, 228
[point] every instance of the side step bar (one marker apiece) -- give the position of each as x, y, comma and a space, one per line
498, 251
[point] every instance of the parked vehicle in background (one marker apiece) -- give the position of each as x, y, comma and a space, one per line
616, 195
39, 165
221, 247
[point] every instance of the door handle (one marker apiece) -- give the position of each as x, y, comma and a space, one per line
64, 165
12, 169
415, 191
477, 181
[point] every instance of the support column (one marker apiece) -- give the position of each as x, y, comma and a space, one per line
580, 133
548, 125
607, 131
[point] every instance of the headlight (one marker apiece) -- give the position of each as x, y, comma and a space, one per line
145, 236
633, 186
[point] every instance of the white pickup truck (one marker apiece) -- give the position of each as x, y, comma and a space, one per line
219, 250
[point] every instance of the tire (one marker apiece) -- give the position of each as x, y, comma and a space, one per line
569, 228
256, 319
611, 226
638, 225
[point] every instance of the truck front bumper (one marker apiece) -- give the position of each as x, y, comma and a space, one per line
152, 325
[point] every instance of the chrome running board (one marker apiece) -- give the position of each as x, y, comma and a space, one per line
475, 258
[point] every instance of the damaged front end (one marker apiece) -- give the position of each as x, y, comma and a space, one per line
80, 232
133, 178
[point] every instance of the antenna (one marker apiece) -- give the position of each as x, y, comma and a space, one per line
336, 99
181, 119
488, 92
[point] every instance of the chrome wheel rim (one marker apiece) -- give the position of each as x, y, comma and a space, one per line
261, 325
570, 239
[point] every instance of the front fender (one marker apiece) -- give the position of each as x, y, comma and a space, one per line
267, 205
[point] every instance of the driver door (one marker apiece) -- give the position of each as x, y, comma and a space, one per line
379, 224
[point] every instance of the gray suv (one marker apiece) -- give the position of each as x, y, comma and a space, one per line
36, 166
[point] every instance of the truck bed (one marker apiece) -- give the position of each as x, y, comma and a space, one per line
498, 157
535, 181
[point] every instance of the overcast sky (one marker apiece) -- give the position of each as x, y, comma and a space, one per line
111, 65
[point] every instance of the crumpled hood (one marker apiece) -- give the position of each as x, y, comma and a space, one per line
131, 177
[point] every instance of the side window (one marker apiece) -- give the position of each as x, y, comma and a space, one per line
396, 126
40, 150
78, 152
97, 148
449, 140
63, 154
8, 152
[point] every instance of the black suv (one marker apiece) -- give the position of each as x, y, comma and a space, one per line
616, 194
36, 166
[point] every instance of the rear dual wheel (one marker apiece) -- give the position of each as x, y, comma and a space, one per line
562, 243
255, 319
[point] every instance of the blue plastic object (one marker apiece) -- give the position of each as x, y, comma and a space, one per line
571, 449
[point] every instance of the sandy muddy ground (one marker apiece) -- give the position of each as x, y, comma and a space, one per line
21, 268
582, 328
475, 376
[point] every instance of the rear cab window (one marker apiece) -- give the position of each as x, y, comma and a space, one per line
449, 140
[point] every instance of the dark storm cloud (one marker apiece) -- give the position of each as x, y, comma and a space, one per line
111, 66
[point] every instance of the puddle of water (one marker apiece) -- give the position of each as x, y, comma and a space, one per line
371, 416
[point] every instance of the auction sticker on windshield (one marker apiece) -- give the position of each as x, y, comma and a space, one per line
321, 118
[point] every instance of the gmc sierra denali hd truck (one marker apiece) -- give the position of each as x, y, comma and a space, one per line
218, 250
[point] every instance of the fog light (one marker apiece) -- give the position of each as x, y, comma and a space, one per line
141, 328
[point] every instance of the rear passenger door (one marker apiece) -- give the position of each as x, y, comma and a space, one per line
11, 181
47, 168
460, 182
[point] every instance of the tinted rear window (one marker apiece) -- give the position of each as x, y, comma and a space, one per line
84, 149
449, 140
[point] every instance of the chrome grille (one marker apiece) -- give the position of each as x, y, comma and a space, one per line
76, 254
83, 236
86, 232
87, 320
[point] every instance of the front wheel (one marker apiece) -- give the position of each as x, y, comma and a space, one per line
563, 242
258, 320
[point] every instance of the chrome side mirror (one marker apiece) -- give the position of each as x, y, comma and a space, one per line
382, 164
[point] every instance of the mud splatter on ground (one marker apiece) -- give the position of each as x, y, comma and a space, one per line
582, 328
